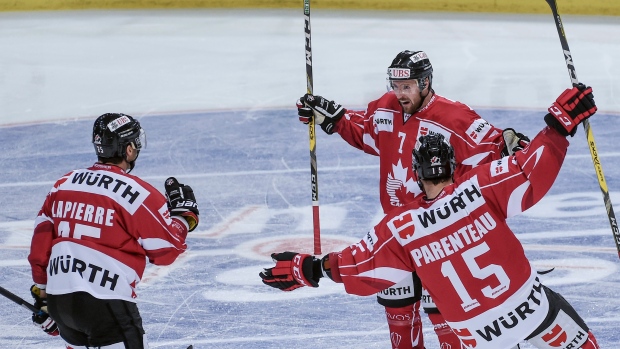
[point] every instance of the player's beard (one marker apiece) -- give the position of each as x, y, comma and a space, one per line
408, 105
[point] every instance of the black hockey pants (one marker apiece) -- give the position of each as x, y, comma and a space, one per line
87, 321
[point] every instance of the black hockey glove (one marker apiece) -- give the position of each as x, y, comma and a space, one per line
292, 270
41, 319
571, 108
513, 141
182, 202
326, 113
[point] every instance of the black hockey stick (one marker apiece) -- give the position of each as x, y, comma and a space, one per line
314, 176
586, 125
8, 294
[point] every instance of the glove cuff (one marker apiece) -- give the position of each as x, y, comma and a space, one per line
329, 124
555, 124
311, 270
191, 219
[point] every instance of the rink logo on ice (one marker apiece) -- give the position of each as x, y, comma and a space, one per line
384, 121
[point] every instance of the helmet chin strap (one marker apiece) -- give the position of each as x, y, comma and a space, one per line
132, 164
422, 98
421, 86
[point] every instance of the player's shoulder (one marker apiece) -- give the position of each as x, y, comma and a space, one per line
146, 185
388, 100
447, 103
490, 173
60, 181
386, 103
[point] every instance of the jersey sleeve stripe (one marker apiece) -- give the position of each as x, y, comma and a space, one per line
42, 218
386, 273
150, 244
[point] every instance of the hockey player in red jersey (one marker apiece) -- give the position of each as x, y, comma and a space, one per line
389, 129
456, 238
93, 235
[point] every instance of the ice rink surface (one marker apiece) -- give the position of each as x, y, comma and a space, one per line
215, 92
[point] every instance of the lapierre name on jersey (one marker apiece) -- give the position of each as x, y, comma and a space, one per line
75, 267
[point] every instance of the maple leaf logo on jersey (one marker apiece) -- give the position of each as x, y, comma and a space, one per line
398, 185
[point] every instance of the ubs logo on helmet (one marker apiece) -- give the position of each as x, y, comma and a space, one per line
399, 73
418, 57
118, 122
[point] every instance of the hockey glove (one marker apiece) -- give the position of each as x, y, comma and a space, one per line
572, 107
41, 318
326, 113
292, 270
513, 141
182, 202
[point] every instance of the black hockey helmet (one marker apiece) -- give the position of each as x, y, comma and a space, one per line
113, 132
434, 157
408, 65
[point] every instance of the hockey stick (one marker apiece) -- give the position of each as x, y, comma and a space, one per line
586, 125
314, 178
8, 294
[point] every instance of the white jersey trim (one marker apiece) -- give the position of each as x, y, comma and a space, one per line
74, 267
505, 325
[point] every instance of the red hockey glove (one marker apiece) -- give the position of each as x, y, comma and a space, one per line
326, 112
292, 270
41, 318
182, 202
572, 107
513, 141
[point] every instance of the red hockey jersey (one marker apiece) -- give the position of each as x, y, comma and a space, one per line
465, 254
384, 130
95, 231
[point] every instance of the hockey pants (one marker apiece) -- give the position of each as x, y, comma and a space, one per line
86, 321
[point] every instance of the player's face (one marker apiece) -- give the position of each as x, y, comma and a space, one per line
408, 94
